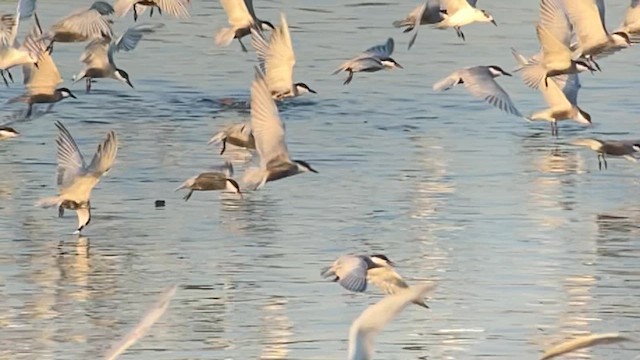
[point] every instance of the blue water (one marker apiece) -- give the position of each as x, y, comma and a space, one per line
528, 242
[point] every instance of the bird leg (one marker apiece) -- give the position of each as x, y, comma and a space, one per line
4, 78
49, 48
224, 146
594, 63
348, 81
241, 44
135, 13
49, 108
459, 33
188, 196
29, 110
60, 211
604, 160
10, 76
159, 10
88, 85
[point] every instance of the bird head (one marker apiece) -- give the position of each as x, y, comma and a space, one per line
390, 63
123, 76
233, 186
497, 71
486, 17
65, 93
381, 260
304, 88
304, 166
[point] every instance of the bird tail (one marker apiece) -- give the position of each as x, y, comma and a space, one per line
446, 83
49, 202
79, 76
327, 272
217, 137
20, 98
187, 183
403, 23
254, 178
420, 302
520, 59
225, 36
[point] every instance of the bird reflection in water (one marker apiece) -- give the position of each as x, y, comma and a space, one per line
276, 329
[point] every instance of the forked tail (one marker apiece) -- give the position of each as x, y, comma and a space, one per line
254, 178
49, 202
225, 36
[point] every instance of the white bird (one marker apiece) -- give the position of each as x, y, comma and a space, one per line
82, 25
587, 17
268, 131
212, 180
563, 103
554, 34
242, 18
277, 60
153, 314
480, 82
427, 13
98, 55
622, 148
237, 134
176, 8
374, 59
366, 327
42, 80
462, 12
354, 272
11, 52
631, 22
76, 179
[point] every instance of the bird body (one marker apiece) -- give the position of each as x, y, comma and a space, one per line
207, 181
277, 60
354, 272
461, 13
75, 178
238, 134
176, 8
619, 148
242, 18
268, 131
427, 13
374, 59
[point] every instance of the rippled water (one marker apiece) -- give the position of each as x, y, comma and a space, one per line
529, 243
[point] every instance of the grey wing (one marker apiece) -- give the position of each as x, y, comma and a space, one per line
472, 2
481, 84
386, 279
267, 128
570, 85
130, 39
601, 11
260, 44
25, 9
70, 161
95, 54
351, 272
102, 7
105, 155
8, 30
380, 51
360, 64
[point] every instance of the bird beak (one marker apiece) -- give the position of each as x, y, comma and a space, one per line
73, 96
239, 193
312, 91
506, 73
130, 84
399, 66
494, 23
313, 170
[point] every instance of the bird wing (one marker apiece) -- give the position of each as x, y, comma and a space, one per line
280, 58
582, 342
556, 55
8, 30
448, 82
554, 19
130, 39
380, 51
453, 6
237, 13
44, 78
89, 23
71, 164
554, 97
261, 45
25, 9
586, 21
250, 9
373, 319
359, 63
267, 128
175, 8
533, 74
122, 7
570, 85
105, 155
142, 327
95, 54
351, 271
386, 279
479, 82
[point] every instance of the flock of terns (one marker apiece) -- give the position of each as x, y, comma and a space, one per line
572, 35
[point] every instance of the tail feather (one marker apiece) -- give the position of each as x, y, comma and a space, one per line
446, 83
217, 137
187, 183
49, 202
402, 23
225, 36
254, 178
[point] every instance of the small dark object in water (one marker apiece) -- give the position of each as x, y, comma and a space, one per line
160, 203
